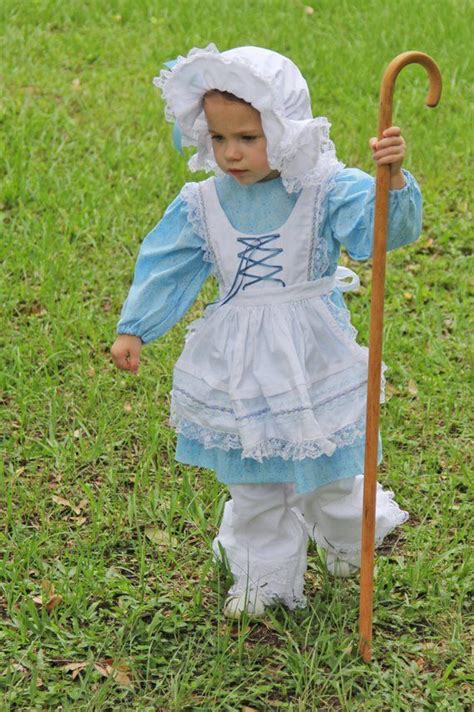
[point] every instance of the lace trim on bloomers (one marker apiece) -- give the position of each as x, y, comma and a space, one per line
271, 589
275, 580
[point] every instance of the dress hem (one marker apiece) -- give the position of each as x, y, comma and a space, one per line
200, 459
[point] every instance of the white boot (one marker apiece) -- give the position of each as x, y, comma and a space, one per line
251, 602
340, 568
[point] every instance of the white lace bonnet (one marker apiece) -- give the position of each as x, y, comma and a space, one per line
298, 145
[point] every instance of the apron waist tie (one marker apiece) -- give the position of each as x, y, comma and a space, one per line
294, 292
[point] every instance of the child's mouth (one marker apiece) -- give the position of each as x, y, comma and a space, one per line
236, 172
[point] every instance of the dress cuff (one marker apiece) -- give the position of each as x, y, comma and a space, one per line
410, 183
130, 332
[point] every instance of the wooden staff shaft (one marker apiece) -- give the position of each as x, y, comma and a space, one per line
375, 339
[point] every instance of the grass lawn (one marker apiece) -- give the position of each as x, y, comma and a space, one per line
109, 599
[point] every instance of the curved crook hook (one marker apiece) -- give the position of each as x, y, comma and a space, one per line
390, 76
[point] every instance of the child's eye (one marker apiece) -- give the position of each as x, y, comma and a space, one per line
249, 138
216, 137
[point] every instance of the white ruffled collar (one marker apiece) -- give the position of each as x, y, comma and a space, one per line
298, 145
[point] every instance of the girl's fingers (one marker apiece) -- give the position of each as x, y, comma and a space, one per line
391, 141
133, 363
390, 160
392, 131
384, 143
390, 151
121, 359
387, 144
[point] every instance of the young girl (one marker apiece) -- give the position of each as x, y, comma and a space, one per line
270, 389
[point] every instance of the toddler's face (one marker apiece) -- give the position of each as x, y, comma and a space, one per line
238, 141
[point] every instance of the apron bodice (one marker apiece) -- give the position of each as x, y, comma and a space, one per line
274, 259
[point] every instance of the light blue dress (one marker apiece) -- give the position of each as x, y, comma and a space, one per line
171, 270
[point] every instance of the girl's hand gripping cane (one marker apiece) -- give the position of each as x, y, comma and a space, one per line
375, 344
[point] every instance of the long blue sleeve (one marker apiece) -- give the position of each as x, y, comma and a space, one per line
169, 274
350, 213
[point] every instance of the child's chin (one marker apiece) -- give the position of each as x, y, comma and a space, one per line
245, 179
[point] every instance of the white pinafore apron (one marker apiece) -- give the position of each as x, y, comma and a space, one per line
269, 369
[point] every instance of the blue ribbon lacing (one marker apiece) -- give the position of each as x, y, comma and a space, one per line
248, 261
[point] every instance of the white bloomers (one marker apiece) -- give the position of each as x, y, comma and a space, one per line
265, 529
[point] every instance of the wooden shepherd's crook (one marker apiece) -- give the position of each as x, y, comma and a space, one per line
375, 343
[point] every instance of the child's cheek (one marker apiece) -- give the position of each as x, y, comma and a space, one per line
218, 154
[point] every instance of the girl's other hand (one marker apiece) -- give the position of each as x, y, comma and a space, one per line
126, 352
390, 149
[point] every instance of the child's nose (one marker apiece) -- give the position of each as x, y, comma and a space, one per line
232, 151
